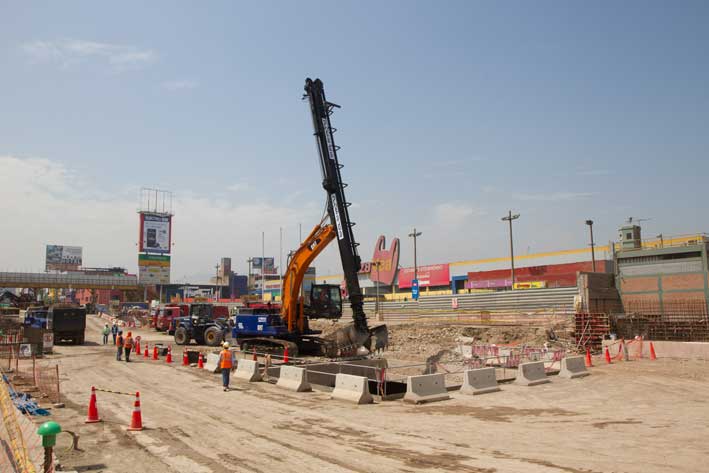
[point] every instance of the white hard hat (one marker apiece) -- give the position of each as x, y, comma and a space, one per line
225, 344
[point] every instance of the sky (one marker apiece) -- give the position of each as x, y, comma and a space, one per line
452, 114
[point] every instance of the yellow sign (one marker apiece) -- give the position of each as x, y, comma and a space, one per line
530, 285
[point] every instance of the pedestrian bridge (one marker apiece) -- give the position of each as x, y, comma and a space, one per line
67, 281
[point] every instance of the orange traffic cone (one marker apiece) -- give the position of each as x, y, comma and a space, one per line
168, 358
92, 415
155, 353
200, 362
185, 359
254, 357
608, 356
285, 355
589, 362
653, 356
146, 355
137, 348
136, 420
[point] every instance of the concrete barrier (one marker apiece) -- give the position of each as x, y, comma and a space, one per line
352, 388
573, 367
294, 378
212, 363
479, 381
531, 374
248, 370
426, 388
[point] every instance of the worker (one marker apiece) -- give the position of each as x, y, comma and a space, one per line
119, 344
106, 331
225, 363
128, 345
114, 331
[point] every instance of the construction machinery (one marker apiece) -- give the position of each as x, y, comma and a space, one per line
289, 328
199, 326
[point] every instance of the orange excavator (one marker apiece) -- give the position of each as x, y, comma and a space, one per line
289, 328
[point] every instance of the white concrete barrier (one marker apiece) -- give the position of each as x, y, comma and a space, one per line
479, 381
426, 388
573, 367
248, 370
212, 363
352, 388
294, 378
531, 374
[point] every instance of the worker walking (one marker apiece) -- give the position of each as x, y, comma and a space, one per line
128, 345
114, 331
226, 364
119, 345
106, 331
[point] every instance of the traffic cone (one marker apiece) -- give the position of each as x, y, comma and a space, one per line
92, 415
285, 355
185, 359
254, 357
146, 355
589, 362
168, 358
653, 356
137, 348
136, 420
200, 362
608, 356
155, 353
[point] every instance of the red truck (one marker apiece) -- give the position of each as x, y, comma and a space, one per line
163, 315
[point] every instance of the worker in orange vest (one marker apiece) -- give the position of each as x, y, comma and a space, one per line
119, 345
226, 364
128, 346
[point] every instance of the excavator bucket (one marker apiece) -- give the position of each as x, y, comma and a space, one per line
347, 340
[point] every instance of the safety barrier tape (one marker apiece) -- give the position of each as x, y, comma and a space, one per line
114, 392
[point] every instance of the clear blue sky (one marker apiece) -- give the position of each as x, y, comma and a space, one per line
453, 113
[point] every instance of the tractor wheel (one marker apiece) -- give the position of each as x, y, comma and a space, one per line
181, 337
213, 336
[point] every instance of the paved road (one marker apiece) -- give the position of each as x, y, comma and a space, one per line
636, 417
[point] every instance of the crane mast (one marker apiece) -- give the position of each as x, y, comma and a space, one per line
337, 205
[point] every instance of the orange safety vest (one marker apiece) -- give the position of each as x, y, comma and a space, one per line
225, 359
128, 343
119, 341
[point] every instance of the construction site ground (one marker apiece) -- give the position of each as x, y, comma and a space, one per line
639, 416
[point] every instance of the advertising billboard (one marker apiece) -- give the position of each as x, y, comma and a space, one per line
428, 276
155, 233
63, 258
385, 262
265, 264
153, 269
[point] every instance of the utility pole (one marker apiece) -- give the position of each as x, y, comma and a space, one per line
415, 235
376, 305
263, 264
662, 241
248, 278
280, 260
216, 284
508, 218
593, 246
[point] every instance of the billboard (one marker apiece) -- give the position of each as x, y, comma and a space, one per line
266, 265
63, 258
153, 269
385, 262
155, 233
428, 276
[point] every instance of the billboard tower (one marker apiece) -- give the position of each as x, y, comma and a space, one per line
155, 236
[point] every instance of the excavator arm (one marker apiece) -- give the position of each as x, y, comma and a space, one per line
292, 304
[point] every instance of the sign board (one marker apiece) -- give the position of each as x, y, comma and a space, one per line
63, 258
153, 269
488, 284
530, 285
454, 303
155, 233
25, 350
428, 276
385, 262
48, 342
415, 289
266, 265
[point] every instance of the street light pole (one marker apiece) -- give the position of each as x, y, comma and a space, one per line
376, 305
216, 284
415, 235
508, 218
593, 246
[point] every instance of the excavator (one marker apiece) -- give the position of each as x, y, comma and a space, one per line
274, 331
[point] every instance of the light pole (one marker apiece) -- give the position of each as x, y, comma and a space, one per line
593, 246
415, 235
248, 278
376, 305
662, 240
508, 218
216, 283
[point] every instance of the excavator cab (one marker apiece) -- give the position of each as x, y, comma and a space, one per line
325, 302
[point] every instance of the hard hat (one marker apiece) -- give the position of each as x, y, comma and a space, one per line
225, 344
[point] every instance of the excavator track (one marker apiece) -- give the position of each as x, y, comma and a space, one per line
269, 346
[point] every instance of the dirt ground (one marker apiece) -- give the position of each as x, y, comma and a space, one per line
637, 416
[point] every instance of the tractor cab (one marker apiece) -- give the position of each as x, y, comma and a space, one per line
325, 302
